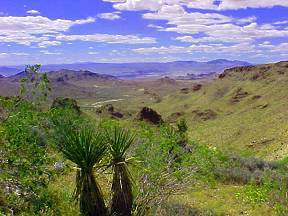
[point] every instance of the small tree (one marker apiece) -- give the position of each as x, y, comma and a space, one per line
119, 141
34, 86
86, 148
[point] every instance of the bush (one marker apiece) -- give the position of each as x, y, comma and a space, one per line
66, 103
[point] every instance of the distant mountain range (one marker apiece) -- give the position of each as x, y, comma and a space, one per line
65, 75
140, 70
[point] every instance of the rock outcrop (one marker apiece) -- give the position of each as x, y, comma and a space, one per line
149, 115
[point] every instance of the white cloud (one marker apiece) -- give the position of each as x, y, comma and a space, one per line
154, 26
243, 4
21, 54
3, 55
34, 29
151, 5
33, 12
213, 27
45, 44
110, 16
93, 53
107, 38
14, 54
203, 48
154, 5
284, 22
38, 24
47, 52
246, 20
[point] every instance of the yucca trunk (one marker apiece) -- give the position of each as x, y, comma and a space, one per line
91, 197
122, 197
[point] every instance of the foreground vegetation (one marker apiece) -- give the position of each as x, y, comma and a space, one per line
165, 176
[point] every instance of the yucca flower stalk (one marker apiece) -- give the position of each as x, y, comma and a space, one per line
119, 141
86, 148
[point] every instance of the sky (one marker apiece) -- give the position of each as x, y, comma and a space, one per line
69, 31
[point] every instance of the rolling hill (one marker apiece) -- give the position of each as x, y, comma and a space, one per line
244, 110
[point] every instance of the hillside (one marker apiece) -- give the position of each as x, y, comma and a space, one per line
80, 84
244, 110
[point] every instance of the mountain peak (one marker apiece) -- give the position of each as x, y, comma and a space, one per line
226, 61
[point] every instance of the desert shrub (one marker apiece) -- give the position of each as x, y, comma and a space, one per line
244, 170
170, 209
66, 104
25, 163
164, 169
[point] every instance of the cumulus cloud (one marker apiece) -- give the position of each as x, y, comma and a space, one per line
154, 5
34, 29
107, 38
243, 4
213, 27
33, 12
110, 16
133, 5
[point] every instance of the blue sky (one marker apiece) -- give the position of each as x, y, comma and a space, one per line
67, 31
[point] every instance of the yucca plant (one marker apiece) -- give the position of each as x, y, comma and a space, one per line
119, 141
86, 148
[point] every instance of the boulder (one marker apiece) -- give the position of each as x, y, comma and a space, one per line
59, 166
205, 114
197, 87
117, 114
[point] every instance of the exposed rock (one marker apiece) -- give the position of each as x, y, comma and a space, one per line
65, 103
185, 90
228, 72
205, 114
59, 166
256, 97
149, 115
239, 94
174, 117
262, 106
117, 114
109, 110
197, 87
